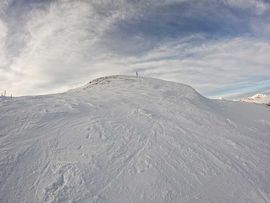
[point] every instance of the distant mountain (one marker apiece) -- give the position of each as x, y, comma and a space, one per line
130, 139
258, 98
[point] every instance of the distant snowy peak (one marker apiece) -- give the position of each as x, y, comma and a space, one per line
258, 98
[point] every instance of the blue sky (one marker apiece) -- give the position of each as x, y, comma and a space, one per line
220, 47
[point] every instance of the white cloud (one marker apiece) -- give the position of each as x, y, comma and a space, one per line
211, 65
259, 6
60, 48
64, 47
3, 5
3, 35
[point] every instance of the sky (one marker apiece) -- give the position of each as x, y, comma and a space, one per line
219, 47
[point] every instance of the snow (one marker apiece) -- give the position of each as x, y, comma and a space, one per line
128, 139
258, 98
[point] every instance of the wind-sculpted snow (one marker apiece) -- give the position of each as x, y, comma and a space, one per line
128, 139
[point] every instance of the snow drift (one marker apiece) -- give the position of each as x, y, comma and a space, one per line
128, 139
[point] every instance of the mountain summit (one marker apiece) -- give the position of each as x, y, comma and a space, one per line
258, 99
130, 139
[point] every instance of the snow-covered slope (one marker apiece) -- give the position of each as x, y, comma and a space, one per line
258, 98
127, 139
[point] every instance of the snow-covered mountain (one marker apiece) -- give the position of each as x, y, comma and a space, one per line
128, 139
258, 98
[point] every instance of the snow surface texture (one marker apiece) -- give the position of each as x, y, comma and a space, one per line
258, 98
128, 139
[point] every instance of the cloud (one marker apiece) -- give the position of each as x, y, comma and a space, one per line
51, 46
3, 35
210, 66
259, 6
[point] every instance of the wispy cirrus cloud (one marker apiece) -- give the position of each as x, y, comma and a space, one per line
216, 46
